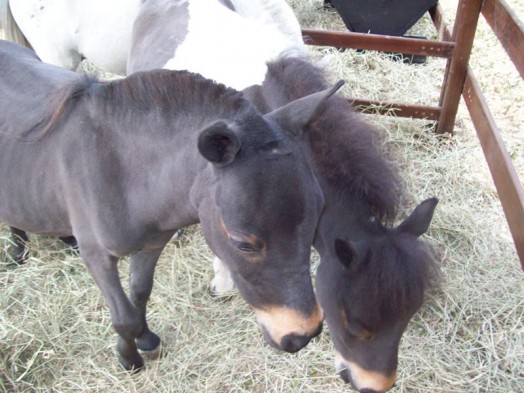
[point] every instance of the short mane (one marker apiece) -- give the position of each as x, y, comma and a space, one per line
341, 133
166, 90
160, 90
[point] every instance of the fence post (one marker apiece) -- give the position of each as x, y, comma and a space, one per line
464, 29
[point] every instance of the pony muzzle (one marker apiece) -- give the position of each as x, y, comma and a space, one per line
288, 329
362, 380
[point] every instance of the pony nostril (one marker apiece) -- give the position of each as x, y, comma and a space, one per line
293, 342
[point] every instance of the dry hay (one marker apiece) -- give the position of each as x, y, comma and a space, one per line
55, 332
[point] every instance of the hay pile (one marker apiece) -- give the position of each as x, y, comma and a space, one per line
55, 332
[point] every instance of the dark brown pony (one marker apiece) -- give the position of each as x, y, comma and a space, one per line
372, 277
122, 165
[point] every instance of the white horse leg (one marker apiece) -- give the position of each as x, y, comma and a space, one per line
222, 282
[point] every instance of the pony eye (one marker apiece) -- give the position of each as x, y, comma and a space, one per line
359, 331
366, 335
247, 243
244, 246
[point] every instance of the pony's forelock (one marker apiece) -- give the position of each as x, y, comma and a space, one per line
401, 273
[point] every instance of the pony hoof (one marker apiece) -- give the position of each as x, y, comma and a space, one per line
16, 259
150, 345
219, 290
154, 354
223, 297
17, 255
132, 367
148, 341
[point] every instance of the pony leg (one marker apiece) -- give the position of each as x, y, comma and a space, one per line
126, 319
70, 241
222, 282
142, 270
17, 249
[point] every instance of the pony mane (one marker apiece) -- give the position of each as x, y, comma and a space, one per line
172, 91
159, 90
346, 150
397, 283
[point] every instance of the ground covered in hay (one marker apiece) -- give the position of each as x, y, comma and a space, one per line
55, 332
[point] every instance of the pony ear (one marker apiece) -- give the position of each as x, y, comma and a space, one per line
219, 144
418, 221
296, 115
347, 253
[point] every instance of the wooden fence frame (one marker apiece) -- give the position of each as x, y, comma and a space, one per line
458, 80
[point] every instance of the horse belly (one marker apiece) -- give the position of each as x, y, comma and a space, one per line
31, 196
